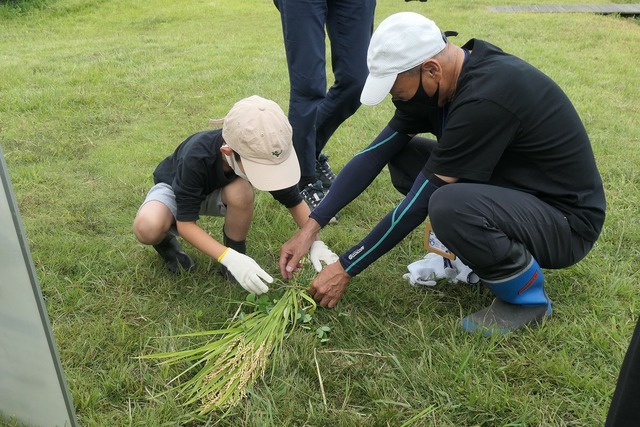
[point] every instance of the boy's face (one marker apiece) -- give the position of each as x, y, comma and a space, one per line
230, 156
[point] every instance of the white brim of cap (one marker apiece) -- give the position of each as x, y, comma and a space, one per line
273, 177
376, 89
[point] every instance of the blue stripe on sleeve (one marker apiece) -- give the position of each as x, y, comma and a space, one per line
394, 227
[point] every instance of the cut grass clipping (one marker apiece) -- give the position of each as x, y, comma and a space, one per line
234, 357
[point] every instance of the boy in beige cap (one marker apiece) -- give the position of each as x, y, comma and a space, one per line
213, 173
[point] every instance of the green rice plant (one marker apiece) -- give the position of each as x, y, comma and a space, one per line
228, 364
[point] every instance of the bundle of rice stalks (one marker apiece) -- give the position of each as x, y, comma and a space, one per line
234, 357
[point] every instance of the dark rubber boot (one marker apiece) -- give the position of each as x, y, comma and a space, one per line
521, 301
176, 260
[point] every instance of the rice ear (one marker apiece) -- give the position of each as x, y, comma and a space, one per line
234, 357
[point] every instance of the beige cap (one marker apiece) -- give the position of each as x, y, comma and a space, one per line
258, 130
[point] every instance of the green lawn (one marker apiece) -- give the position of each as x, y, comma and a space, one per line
95, 93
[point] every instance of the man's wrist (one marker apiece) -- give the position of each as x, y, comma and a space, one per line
310, 230
344, 267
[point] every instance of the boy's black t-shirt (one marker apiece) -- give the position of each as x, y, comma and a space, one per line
511, 125
194, 171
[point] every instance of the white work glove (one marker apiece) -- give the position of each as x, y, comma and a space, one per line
318, 253
427, 271
246, 271
434, 267
459, 272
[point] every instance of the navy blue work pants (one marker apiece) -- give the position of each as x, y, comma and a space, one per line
315, 112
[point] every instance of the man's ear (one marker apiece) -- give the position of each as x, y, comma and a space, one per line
226, 150
431, 68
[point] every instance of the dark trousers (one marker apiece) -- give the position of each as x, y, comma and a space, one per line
488, 226
625, 404
314, 112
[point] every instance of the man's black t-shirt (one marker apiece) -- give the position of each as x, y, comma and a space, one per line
511, 125
194, 170
508, 125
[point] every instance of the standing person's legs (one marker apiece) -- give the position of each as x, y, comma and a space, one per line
303, 23
505, 236
349, 28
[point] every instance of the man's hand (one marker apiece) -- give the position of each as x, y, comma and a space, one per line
296, 247
292, 252
328, 287
319, 253
246, 271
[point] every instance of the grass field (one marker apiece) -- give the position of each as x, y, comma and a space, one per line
95, 93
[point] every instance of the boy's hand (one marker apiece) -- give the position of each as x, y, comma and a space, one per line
319, 253
246, 271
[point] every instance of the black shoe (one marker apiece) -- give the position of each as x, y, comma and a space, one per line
324, 173
176, 260
313, 195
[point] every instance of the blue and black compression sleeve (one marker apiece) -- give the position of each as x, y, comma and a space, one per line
359, 172
394, 227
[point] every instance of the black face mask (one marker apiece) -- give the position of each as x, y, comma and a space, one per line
421, 96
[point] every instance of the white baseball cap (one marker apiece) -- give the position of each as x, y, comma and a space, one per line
401, 42
258, 130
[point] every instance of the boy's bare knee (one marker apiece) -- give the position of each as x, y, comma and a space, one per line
239, 194
147, 231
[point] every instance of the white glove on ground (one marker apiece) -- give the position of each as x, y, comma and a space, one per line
427, 271
434, 267
462, 273
318, 253
246, 271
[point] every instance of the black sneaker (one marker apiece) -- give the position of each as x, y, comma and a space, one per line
313, 195
324, 172
176, 260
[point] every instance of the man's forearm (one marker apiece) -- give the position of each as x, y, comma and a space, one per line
359, 173
397, 224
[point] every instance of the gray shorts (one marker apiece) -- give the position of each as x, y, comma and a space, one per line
163, 193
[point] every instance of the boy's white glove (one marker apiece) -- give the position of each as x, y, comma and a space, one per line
427, 271
246, 271
434, 267
319, 253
